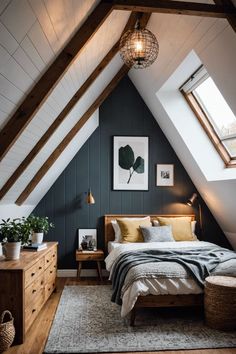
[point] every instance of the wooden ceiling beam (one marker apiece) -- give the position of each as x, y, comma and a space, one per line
33, 101
72, 133
230, 17
173, 7
144, 17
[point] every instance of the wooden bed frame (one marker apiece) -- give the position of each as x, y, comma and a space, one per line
152, 300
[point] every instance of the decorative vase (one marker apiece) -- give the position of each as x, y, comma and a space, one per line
11, 250
37, 237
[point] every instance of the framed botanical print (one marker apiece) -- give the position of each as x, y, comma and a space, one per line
165, 175
130, 162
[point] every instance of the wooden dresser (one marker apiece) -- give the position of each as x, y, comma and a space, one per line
26, 284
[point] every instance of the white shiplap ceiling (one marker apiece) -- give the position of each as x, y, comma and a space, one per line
29, 42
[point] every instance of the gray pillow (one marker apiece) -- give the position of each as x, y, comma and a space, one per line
157, 233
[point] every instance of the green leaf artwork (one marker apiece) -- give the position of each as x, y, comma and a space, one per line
127, 161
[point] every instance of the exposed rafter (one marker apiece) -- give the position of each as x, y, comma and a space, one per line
72, 133
144, 17
173, 7
229, 5
44, 86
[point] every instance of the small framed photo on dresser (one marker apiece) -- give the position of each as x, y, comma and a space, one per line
87, 239
165, 175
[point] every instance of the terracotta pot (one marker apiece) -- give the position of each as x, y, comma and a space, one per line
11, 250
37, 237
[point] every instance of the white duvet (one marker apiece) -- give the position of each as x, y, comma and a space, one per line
162, 286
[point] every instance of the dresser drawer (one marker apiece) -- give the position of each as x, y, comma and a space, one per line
33, 272
49, 287
50, 257
34, 289
32, 311
51, 272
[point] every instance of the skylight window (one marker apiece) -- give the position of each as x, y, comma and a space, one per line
213, 112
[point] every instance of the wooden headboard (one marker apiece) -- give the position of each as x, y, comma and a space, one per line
108, 229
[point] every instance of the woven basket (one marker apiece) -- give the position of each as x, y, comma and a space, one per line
220, 302
7, 331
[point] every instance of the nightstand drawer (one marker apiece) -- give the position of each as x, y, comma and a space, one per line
89, 257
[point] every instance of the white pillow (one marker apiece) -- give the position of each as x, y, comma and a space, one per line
193, 227
116, 228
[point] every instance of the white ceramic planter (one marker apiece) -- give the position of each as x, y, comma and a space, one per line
11, 250
37, 237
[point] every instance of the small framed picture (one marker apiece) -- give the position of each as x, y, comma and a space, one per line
87, 239
165, 175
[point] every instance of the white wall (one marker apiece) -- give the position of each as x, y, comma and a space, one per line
216, 49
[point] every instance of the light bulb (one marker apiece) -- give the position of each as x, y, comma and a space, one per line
138, 46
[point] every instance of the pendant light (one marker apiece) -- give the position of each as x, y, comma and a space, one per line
138, 47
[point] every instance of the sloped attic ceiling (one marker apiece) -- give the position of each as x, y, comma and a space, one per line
29, 43
33, 32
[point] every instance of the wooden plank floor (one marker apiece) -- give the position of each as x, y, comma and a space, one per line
38, 333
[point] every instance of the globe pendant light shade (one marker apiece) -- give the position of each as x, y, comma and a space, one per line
138, 48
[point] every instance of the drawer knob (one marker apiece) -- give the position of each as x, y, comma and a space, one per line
32, 274
34, 291
33, 310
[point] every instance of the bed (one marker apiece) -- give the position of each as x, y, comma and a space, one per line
171, 292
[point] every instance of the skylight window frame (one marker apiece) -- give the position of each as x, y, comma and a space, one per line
199, 76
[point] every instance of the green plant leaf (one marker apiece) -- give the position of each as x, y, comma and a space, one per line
126, 157
139, 165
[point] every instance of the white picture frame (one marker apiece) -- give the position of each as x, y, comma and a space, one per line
130, 162
84, 232
165, 175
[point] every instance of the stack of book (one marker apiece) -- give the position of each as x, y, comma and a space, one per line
35, 246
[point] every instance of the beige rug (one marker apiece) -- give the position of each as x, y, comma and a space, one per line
87, 322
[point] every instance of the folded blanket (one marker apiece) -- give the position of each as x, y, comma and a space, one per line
198, 262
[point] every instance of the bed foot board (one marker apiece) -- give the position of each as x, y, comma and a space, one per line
132, 316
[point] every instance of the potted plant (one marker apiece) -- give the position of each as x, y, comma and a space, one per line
14, 233
39, 226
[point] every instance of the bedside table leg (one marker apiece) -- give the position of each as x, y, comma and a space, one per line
99, 270
79, 270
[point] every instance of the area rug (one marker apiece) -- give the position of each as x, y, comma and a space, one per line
87, 322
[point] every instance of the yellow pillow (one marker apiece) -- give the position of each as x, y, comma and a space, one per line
181, 227
130, 230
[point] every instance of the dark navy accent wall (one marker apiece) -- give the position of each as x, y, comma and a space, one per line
123, 113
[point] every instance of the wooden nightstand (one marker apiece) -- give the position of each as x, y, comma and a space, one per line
97, 256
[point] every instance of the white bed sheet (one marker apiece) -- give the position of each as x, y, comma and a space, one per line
112, 245
171, 286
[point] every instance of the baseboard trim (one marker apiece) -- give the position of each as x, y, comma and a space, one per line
72, 273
